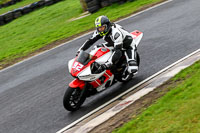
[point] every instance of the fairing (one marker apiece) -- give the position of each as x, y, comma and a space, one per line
137, 36
70, 63
79, 67
76, 83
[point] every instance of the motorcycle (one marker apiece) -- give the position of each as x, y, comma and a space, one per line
90, 78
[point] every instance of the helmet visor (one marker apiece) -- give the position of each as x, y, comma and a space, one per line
102, 28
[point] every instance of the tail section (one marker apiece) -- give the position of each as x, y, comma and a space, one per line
137, 36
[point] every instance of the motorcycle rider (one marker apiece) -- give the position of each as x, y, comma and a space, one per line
116, 37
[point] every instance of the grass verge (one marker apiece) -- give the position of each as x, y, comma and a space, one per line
177, 111
32, 32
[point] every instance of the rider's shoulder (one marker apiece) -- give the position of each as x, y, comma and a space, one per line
116, 26
115, 31
95, 34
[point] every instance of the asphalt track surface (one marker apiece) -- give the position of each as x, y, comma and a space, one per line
31, 93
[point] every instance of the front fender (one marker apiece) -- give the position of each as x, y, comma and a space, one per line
76, 83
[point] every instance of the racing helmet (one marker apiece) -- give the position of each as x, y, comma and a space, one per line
103, 25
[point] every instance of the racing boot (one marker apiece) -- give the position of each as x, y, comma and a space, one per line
131, 56
130, 71
132, 67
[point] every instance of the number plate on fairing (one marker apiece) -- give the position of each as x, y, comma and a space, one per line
76, 68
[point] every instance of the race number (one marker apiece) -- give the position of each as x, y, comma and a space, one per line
77, 66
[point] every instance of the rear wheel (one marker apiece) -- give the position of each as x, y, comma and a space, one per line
74, 98
138, 58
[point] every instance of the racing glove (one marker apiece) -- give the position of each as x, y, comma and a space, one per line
77, 53
105, 66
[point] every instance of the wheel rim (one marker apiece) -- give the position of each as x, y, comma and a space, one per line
75, 98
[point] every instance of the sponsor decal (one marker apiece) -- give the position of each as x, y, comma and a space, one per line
103, 49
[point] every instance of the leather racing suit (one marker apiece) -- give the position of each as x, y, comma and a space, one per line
119, 39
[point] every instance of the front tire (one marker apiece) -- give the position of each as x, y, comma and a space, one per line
74, 98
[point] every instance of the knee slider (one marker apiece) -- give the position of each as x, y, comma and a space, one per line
133, 63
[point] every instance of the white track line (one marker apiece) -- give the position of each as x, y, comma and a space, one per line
82, 36
113, 111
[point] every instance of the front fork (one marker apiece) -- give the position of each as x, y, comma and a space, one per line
76, 83
85, 86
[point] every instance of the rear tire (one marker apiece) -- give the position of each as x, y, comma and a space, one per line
138, 58
74, 98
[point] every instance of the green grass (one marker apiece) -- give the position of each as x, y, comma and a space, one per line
178, 111
3, 1
17, 5
41, 27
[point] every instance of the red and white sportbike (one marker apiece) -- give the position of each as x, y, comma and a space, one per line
90, 78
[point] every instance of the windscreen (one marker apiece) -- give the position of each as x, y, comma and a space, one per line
84, 58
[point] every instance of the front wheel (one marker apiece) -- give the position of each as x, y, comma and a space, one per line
74, 98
